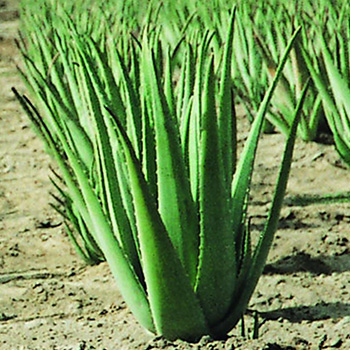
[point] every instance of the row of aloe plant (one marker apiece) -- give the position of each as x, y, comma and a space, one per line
260, 36
263, 28
331, 75
261, 32
148, 177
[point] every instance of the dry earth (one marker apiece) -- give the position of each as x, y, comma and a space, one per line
50, 300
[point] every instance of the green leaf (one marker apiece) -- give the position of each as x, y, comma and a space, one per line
250, 280
227, 120
127, 281
195, 122
175, 307
242, 178
175, 202
88, 205
111, 189
217, 264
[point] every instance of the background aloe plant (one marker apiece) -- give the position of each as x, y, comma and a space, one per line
331, 76
262, 34
146, 147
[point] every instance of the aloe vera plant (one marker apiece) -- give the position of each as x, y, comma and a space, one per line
331, 76
148, 171
289, 89
269, 23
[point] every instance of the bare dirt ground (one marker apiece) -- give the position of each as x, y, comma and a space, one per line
50, 300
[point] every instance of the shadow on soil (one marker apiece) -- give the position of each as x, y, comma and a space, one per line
318, 312
302, 262
306, 200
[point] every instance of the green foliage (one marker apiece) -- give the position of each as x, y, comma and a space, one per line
144, 135
321, 52
331, 76
261, 36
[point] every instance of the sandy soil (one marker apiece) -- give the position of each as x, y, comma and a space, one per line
50, 300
